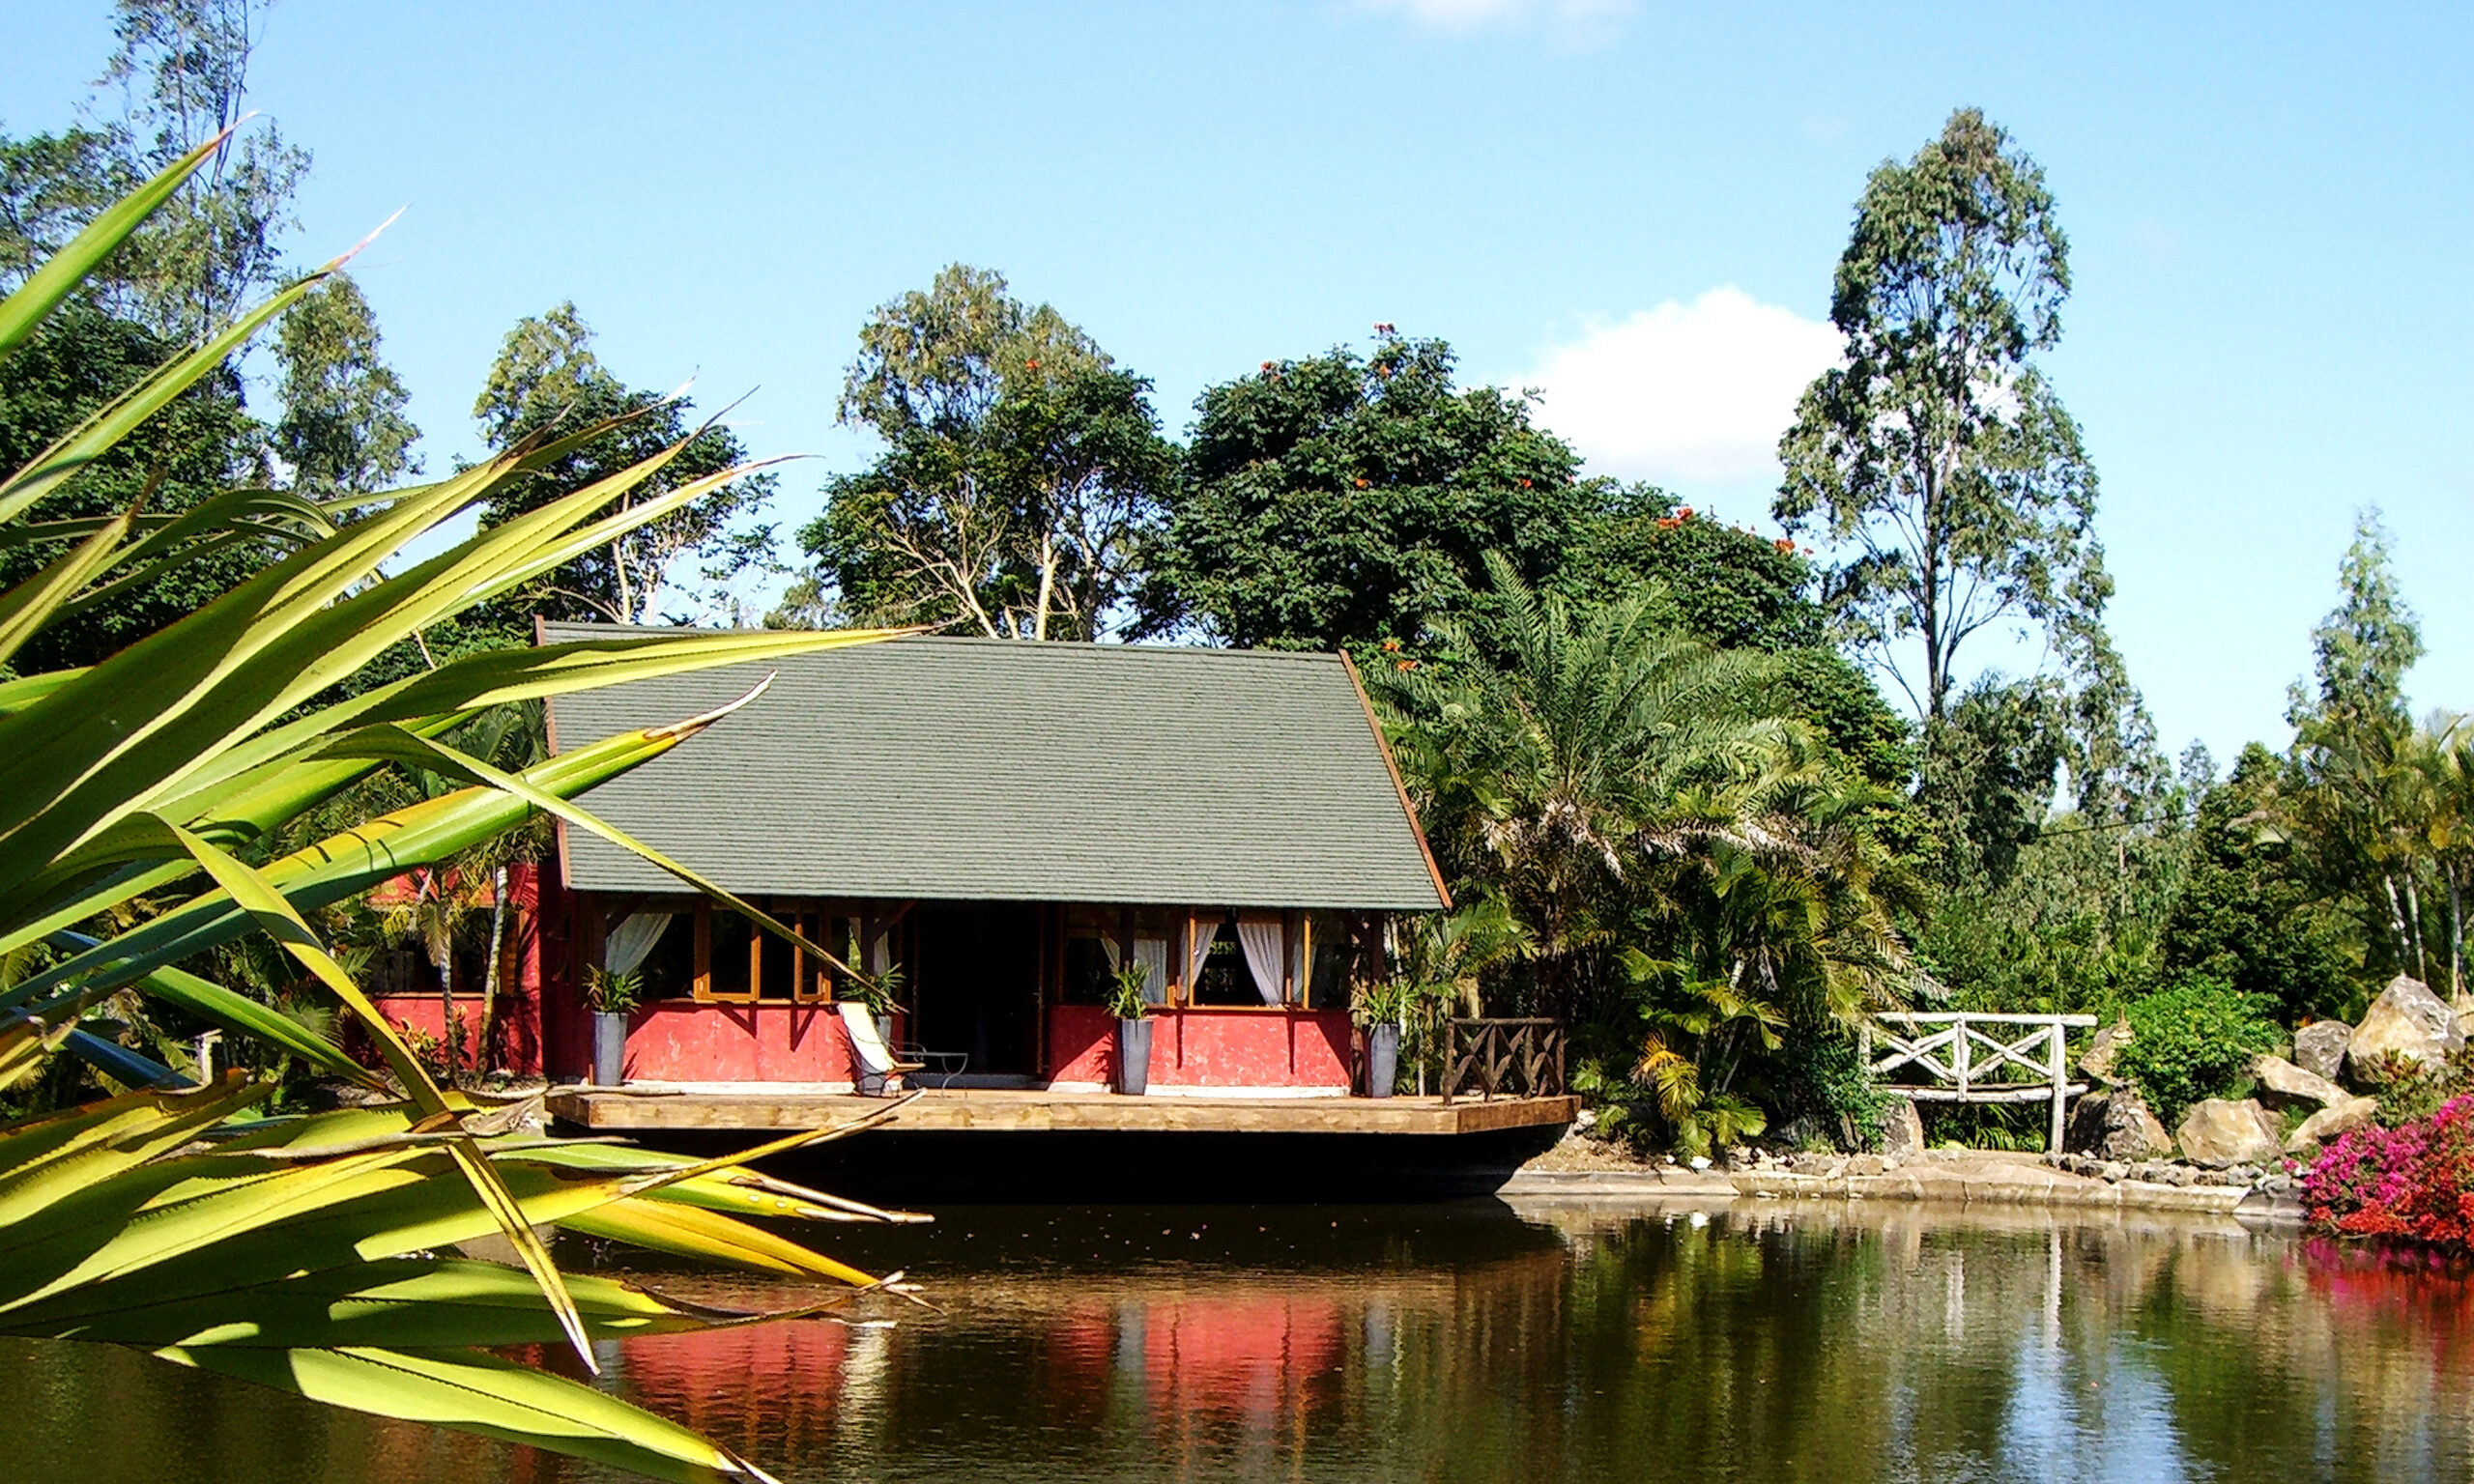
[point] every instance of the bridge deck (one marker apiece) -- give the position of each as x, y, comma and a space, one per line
986, 1110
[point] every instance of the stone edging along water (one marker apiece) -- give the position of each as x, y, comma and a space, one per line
1955, 1181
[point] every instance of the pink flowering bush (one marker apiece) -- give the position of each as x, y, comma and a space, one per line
2416, 1180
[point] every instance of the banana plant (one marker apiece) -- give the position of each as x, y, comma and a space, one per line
303, 1252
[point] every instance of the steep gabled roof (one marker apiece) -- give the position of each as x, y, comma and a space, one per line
988, 770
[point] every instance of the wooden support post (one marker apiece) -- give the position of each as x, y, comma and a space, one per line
1959, 1055
1451, 1055
2061, 1081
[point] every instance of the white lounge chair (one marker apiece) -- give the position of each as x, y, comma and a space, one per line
878, 1068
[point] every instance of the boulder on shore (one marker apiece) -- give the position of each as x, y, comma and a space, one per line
2406, 1021
2319, 1048
2116, 1126
1902, 1130
2220, 1132
2282, 1082
2098, 1062
2328, 1123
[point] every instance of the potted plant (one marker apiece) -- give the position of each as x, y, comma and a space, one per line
1134, 1028
612, 999
1380, 1007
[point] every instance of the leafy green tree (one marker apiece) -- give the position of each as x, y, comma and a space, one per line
2361, 809
181, 67
1023, 480
1339, 502
2363, 648
203, 442
1732, 589
1936, 457
2247, 914
343, 429
547, 381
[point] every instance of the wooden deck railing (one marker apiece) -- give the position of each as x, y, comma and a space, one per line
1946, 1045
1502, 1058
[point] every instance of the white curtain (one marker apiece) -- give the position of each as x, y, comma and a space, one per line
1264, 936
1199, 931
632, 940
1152, 954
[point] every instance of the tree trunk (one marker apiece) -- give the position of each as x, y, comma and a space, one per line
2396, 920
443, 961
2414, 926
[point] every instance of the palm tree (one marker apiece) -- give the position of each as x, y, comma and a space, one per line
1564, 778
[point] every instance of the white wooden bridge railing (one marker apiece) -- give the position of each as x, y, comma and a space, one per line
1971, 1064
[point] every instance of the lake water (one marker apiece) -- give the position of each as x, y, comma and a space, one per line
1478, 1342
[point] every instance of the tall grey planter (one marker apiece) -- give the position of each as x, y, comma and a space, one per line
609, 1048
1382, 1059
1133, 1057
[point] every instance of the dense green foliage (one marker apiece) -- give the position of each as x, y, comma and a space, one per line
1691, 875
2194, 1039
2246, 914
1339, 501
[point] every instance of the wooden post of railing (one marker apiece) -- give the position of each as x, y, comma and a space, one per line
1450, 1056
1959, 1054
2060, 1085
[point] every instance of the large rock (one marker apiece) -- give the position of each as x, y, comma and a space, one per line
2280, 1082
2319, 1048
2221, 1132
1902, 1130
2098, 1062
2406, 1021
2328, 1123
2116, 1126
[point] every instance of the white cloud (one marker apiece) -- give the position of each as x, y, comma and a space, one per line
1569, 20
1690, 395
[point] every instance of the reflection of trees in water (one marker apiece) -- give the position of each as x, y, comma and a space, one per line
1886, 1342
1823, 1343
1775, 1342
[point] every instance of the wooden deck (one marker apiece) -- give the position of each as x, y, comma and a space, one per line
978, 1110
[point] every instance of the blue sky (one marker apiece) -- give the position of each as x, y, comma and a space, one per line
1633, 206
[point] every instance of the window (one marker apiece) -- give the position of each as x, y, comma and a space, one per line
729, 955
669, 968
728, 960
1224, 980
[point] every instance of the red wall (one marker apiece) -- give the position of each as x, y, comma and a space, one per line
1208, 1047
677, 1042
517, 1018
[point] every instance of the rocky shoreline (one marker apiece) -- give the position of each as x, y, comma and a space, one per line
1956, 1177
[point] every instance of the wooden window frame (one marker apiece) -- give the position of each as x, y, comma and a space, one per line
1297, 952
806, 989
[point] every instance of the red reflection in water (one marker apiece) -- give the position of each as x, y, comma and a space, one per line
2417, 1292
768, 1388
1243, 1358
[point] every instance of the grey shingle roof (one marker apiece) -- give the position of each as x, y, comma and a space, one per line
987, 769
